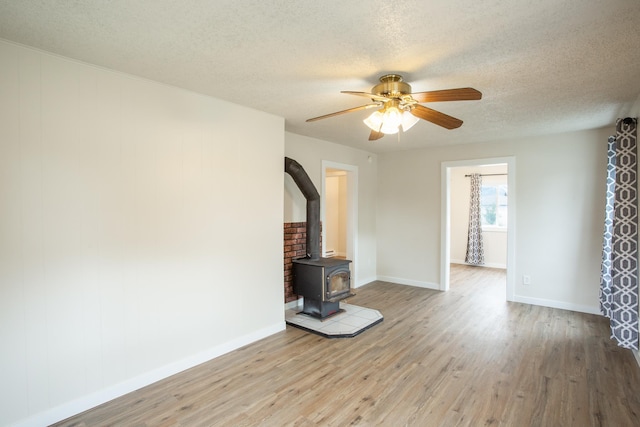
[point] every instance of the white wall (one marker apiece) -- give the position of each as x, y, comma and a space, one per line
494, 240
560, 213
343, 201
310, 153
331, 224
129, 211
335, 223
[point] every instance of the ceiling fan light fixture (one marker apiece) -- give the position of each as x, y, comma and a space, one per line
374, 121
401, 107
389, 120
386, 121
408, 120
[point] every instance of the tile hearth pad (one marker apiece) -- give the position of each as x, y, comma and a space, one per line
352, 321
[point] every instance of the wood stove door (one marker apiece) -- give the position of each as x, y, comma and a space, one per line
338, 284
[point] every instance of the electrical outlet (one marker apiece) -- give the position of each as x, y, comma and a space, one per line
526, 280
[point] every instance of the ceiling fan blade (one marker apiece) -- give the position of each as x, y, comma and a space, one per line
367, 95
461, 94
375, 135
350, 110
435, 117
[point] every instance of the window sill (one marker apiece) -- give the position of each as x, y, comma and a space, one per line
494, 229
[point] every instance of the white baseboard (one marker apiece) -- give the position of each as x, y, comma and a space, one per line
92, 400
366, 281
291, 305
558, 304
526, 300
489, 264
637, 356
409, 282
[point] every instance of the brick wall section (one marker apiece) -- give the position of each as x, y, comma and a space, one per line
295, 244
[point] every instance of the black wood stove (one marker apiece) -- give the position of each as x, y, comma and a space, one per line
322, 282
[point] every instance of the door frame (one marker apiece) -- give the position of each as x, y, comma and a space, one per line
445, 235
352, 212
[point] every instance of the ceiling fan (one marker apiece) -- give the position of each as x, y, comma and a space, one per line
398, 107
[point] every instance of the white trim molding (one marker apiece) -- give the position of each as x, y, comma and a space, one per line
92, 400
558, 304
445, 222
409, 282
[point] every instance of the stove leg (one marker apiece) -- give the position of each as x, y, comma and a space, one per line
320, 309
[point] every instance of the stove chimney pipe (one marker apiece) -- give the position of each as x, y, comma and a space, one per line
310, 193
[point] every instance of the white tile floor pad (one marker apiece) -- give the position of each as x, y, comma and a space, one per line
351, 322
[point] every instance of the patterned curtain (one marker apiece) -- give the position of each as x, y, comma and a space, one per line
619, 276
606, 281
475, 251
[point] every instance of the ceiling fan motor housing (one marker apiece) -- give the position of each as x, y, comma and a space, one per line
391, 85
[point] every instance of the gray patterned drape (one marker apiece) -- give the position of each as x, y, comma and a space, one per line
475, 251
619, 275
606, 295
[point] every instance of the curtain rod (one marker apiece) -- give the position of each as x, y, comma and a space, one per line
487, 174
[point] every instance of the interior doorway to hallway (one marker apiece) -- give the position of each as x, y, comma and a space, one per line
448, 220
335, 219
338, 212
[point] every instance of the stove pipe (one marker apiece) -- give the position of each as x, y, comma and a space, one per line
310, 193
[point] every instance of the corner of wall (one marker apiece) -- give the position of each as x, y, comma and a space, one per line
634, 111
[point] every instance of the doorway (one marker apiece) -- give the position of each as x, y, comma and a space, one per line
335, 218
448, 172
338, 212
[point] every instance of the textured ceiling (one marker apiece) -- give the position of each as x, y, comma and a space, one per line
543, 66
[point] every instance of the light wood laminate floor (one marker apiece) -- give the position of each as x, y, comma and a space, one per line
459, 358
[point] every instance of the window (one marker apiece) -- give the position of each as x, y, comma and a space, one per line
493, 205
